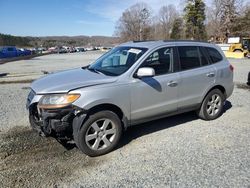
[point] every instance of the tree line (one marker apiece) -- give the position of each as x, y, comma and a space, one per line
10, 40
197, 21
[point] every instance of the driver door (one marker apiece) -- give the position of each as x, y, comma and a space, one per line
155, 96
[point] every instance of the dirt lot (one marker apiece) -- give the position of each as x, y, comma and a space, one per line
179, 151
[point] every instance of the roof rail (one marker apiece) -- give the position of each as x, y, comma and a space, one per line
170, 40
185, 41
136, 41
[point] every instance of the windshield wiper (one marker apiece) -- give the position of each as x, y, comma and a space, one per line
95, 70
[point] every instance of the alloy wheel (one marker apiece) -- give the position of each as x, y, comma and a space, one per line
100, 134
214, 105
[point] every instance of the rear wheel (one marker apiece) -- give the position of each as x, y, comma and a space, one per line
212, 105
100, 134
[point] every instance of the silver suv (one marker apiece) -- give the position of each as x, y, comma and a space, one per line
133, 83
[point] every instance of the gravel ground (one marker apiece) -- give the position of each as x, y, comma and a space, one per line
242, 67
179, 151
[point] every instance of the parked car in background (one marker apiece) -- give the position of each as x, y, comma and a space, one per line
80, 49
9, 52
133, 83
24, 52
62, 50
72, 50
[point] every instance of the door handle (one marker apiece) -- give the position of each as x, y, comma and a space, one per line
210, 75
172, 83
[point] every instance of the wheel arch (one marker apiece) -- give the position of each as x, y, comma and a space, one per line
220, 87
79, 120
111, 107
202, 112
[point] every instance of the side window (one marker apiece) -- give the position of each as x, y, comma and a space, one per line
160, 60
189, 57
215, 56
203, 57
10, 49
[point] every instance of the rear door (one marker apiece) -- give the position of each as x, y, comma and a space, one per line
196, 74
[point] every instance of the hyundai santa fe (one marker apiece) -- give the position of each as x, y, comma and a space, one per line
133, 83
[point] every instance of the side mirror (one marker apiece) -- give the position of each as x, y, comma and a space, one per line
145, 72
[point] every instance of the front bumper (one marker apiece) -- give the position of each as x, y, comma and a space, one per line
57, 123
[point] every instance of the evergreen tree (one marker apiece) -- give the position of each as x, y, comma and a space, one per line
195, 18
176, 32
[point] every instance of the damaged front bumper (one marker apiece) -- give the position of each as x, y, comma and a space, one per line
59, 123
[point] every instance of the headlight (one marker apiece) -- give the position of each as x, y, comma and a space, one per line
57, 100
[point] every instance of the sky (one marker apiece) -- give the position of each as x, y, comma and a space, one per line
67, 17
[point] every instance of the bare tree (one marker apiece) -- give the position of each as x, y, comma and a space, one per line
156, 29
222, 16
241, 26
167, 15
213, 19
135, 23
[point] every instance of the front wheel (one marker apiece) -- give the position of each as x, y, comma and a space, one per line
212, 105
100, 134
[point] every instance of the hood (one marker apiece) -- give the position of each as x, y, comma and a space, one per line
65, 81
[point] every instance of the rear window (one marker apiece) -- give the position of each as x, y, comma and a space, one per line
204, 60
214, 55
189, 57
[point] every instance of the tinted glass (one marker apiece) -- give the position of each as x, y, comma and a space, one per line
160, 61
215, 56
203, 57
10, 49
189, 57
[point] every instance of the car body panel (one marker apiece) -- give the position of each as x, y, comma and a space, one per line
117, 94
193, 84
64, 81
152, 96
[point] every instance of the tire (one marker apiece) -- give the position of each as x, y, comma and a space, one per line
99, 134
212, 105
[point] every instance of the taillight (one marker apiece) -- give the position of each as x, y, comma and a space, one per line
231, 67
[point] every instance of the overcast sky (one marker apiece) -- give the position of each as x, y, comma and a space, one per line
64, 17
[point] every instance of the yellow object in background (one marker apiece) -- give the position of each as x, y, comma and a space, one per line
237, 55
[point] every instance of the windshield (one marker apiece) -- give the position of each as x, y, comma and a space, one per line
117, 61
